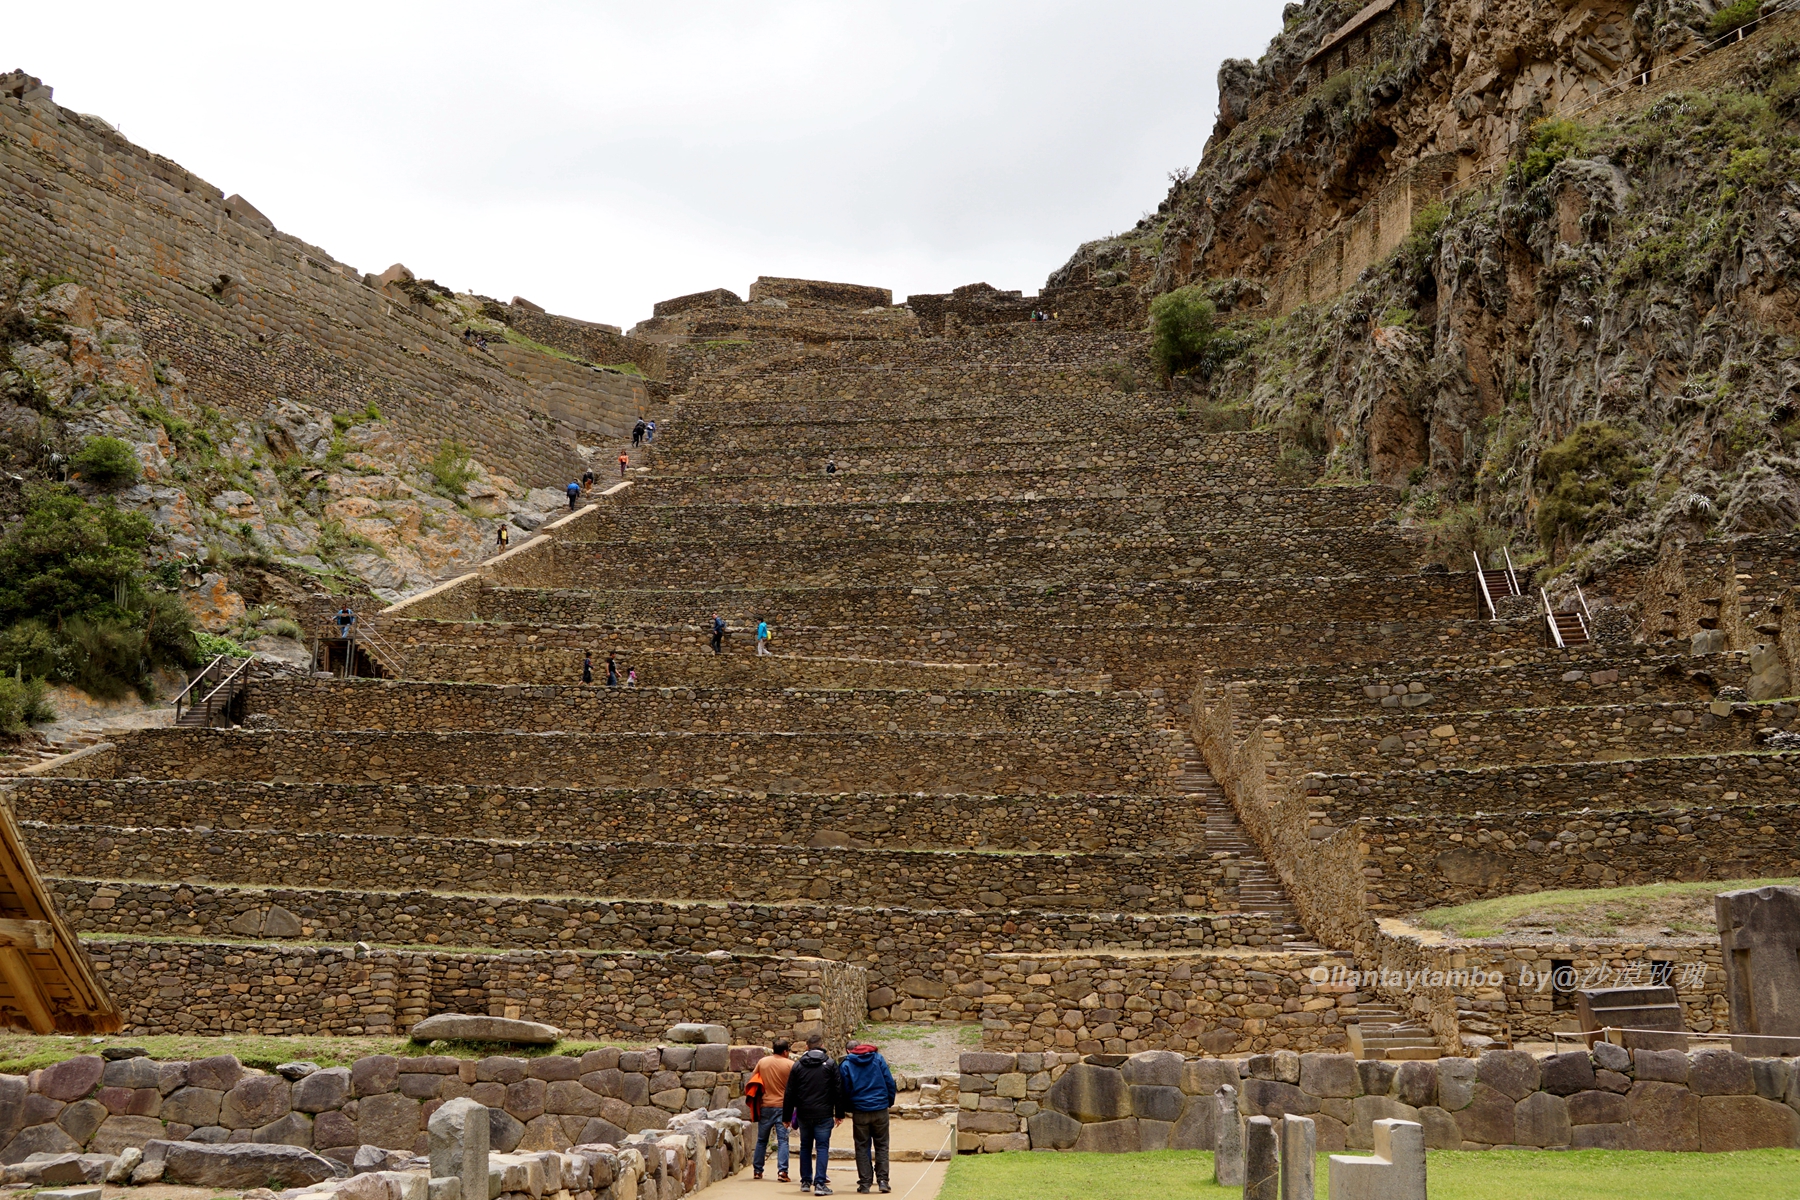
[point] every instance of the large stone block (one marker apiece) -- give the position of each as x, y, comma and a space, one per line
987, 1122
1109, 1137
1746, 1123
504, 1132
1194, 1131
1228, 1139
981, 1062
1055, 1131
1666, 1115
1488, 1117
1157, 1103
374, 1075
194, 1106
389, 1120
1366, 1110
1759, 932
72, 1078
1603, 1137
1089, 1093
1154, 1135
1328, 1075
118, 1133
1204, 1076
244, 1165
219, 1073
39, 1139
80, 1119
1274, 1099
1511, 1072
1598, 1108
132, 1073
322, 1090
1441, 1130
1299, 1157
1541, 1119
1415, 1083
477, 1027
1395, 1171
1661, 1066
1720, 1072
1154, 1068
255, 1100
566, 1096
1456, 1083
1566, 1074
1262, 1161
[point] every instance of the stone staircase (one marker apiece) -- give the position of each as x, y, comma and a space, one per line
1259, 888
1384, 1032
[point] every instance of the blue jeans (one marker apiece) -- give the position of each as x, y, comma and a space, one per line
814, 1133
771, 1118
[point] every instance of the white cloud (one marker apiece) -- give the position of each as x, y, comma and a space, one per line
599, 157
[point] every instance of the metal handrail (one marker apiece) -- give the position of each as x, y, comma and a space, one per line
355, 632
1481, 582
1586, 615
1512, 572
195, 682
1550, 619
232, 682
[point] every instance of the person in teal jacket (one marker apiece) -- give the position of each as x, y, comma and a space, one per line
867, 1088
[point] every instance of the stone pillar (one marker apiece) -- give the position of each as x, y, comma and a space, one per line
458, 1137
1228, 1139
1299, 1150
1262, 1174
1759, 933
1396, 1171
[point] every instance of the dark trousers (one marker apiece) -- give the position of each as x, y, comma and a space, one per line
717, 639
815, 1138
871, 1132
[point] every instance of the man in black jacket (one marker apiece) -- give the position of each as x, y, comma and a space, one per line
814, 1100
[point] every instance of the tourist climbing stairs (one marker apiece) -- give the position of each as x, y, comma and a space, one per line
1259, 888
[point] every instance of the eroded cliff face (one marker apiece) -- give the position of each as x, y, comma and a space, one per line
1583, 352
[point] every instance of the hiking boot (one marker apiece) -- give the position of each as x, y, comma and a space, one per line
783, 1177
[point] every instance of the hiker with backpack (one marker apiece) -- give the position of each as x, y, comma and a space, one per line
814, 1103
868, 1090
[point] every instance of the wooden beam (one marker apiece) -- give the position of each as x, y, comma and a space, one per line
26, 935
22, 981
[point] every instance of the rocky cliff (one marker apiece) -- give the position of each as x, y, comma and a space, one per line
1533, 261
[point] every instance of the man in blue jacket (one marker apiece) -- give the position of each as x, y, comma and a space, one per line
867, 1088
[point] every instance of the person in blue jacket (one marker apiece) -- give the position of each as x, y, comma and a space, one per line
867, 1088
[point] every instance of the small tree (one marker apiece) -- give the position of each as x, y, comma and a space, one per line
106, 462
1181, 329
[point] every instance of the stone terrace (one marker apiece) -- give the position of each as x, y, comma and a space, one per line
972, 745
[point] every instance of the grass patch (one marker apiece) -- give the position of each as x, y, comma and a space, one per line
1452, 1175
1590, 911
20, 1053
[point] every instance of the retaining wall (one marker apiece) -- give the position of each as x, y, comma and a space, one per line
1712, 1100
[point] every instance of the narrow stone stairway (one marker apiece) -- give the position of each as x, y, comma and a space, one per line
1259, 888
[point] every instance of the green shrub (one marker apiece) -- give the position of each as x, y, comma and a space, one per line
1552, 140
106, 462
1580, 476
22, 704
1181, 330
451, 468
212, 645
1732, 17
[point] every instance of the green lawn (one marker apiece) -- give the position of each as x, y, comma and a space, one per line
1592, 912
1450, 1175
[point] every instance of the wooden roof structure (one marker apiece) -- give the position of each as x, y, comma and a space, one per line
46, 982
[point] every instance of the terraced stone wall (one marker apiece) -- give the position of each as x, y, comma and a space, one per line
180, 988
395, 705
1070, 882
549, 613
1710, 1100
1132, 821
1421, 862
1219, 1003
1507, 736
1309, 641
916, 954
823, 762
247, 313
1531, 679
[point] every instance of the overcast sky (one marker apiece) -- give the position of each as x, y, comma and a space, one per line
598, 157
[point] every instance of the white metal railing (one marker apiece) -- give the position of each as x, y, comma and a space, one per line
1550, 619
220, 695
1512, 572
1486, 597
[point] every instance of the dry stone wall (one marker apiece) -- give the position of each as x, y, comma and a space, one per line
806, 762
1131, 821
1220, 1002
180, 988
249, 314
916, 954
1099, 881
1711, 1100
395, 705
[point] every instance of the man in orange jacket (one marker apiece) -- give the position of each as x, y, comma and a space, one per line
766, 1090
